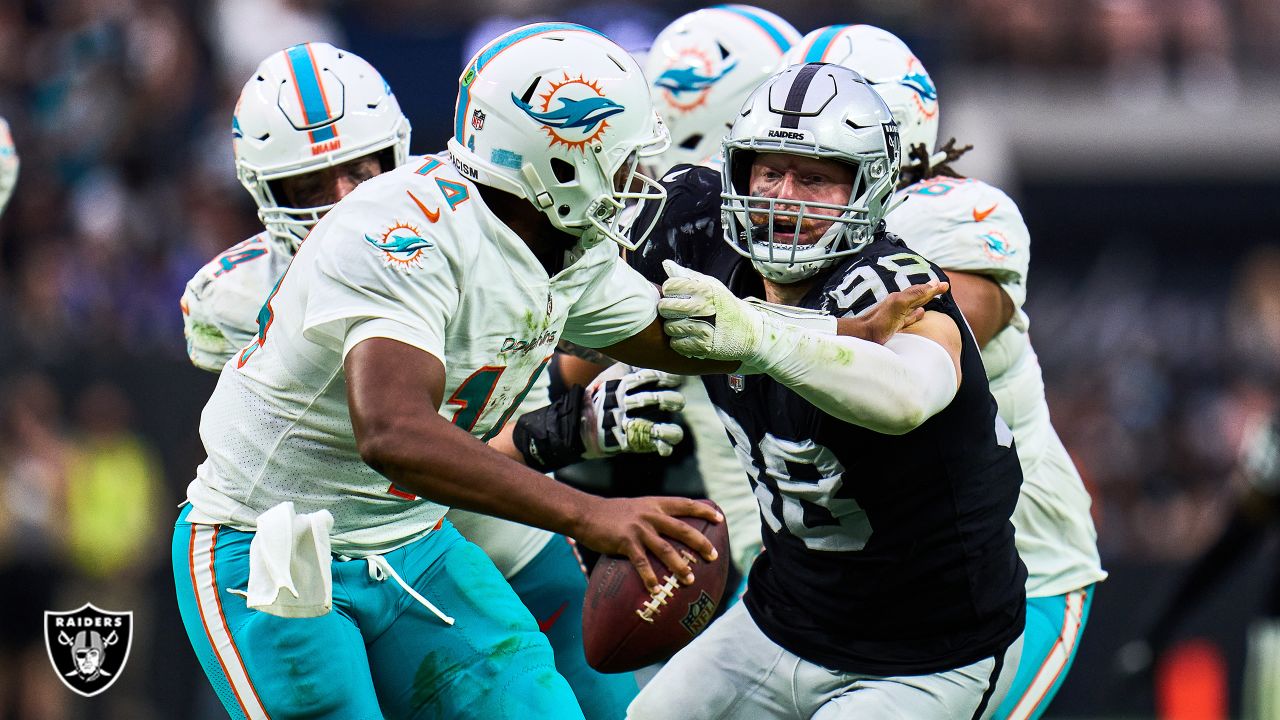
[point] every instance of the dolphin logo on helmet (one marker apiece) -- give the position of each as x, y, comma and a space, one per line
585, 113
682, 80
921, 83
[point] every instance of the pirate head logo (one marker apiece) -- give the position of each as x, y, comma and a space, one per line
88, 647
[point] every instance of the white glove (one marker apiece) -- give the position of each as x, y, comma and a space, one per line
8, 164
610, 420
208, 347
705, 320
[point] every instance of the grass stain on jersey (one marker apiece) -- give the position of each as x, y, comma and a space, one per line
206, 330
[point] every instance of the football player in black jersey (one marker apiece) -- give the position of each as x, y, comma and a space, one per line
889, 586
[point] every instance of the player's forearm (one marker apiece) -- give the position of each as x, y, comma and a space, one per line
503, 444
435, 460
650, 348
891, 388
986, 306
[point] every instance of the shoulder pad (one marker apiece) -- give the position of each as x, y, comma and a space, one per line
883, 267
966, 225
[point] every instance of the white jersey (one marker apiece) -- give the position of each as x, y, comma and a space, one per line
509, 545
221, 302
969, 226
220, 316
412, 255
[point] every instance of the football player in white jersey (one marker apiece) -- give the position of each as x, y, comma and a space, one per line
975, 232
701, 68
294, 183
8, 164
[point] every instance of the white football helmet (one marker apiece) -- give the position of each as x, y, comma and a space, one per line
560, 115
889, 66
309, 107
821, 111
703, 66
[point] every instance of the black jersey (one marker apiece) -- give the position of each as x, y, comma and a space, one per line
884, 555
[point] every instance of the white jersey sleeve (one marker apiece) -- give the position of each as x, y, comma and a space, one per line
221, 302
358, 295
969, 226
619, 304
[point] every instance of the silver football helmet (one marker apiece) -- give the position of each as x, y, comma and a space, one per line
821, 111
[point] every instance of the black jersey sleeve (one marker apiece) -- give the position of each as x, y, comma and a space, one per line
885, 266
689, 226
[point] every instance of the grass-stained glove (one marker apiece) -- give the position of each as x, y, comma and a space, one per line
623, 410
629, 410
705, 320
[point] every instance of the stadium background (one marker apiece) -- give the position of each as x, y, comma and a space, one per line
1140, 138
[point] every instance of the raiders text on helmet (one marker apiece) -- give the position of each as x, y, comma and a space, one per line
820, 111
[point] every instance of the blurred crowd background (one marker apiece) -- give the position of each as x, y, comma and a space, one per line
1140, 138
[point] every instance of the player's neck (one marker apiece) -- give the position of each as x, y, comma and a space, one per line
787, 293
547, 243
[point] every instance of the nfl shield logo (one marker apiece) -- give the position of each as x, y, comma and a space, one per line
88, 647
477, 119
737, 383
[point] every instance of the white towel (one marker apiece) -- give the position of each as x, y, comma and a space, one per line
290, 553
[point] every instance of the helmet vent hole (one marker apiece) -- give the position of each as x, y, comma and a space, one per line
528, 93
615, 60
724, 51
564, 172
691, 142
563, 210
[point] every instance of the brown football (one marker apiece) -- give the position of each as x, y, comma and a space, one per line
624, 627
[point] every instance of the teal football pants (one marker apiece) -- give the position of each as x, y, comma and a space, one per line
378, 653
1054, 627
552, 586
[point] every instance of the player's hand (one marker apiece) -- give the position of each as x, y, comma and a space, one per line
705, 320
207, 346
629, 409
630, 526
8, 164
898, 310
